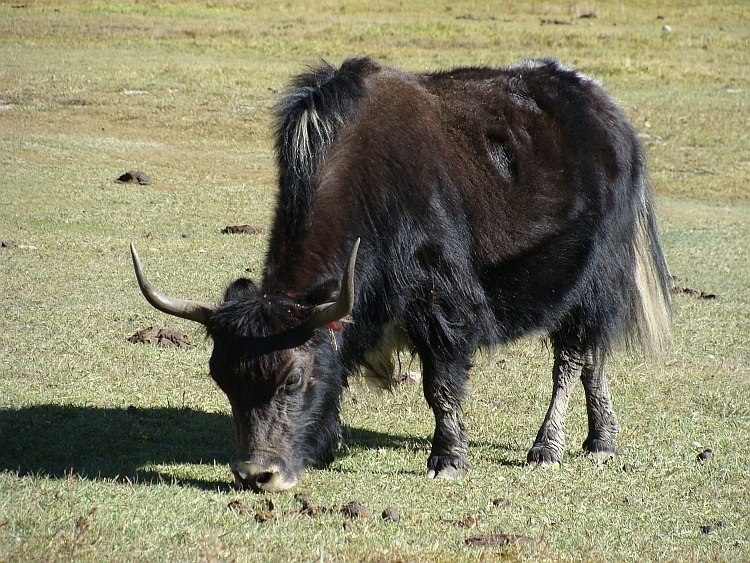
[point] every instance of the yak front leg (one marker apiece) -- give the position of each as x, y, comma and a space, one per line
603, 425
444, 389
550, 441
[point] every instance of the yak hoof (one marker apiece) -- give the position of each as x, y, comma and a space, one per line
599, 449
543, 456
449, 473
444, 467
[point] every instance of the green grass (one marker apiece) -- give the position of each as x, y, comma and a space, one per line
111, 451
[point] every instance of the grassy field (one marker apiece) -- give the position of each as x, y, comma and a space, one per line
111, 451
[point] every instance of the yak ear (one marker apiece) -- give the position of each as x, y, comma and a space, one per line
326, 292
240, 288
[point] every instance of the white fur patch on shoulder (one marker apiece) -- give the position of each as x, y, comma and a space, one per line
378, 366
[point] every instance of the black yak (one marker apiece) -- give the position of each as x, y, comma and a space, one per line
490, 204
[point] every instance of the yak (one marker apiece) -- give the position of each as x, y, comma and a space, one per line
439, 213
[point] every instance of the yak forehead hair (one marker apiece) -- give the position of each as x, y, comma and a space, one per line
248, 312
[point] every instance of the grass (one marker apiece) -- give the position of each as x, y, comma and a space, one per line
110, 451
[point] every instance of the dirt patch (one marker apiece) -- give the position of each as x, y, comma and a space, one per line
243, 230
134, 177
161, 337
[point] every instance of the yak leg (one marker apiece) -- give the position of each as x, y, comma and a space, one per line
444, 388
603, 425
550, 441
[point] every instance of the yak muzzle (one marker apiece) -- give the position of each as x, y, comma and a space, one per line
263, 476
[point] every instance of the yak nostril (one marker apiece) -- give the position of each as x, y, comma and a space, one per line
264, 478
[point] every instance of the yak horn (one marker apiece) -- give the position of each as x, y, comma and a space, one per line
340, 308
190, 310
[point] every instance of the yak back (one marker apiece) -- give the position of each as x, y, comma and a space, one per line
490, 202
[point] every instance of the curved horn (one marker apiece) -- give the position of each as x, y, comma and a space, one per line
339, 309
190, 310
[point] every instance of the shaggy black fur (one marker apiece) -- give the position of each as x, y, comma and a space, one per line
491, 204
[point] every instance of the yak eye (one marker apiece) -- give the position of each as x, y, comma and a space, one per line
294, 380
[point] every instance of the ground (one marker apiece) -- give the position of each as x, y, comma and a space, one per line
118, 452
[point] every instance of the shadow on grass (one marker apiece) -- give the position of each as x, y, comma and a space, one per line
99, 443
357, 439
361, 439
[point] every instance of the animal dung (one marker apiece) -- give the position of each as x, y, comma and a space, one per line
390, 514
264, 516
694, 293
162, 337
356, 509
497, 539
304, 499
243, 230
555, 22
238, 507
134, 177
409, 378
308, 507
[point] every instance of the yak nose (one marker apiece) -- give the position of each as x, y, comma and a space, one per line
269, 477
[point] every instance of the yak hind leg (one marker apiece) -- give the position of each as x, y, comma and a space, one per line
444, 389
603, 425
550, 441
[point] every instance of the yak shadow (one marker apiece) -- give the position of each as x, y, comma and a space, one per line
126, 444
362, 439
129, 444
357, 439
107, 443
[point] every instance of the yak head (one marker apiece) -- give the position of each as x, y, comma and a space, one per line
277, 370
